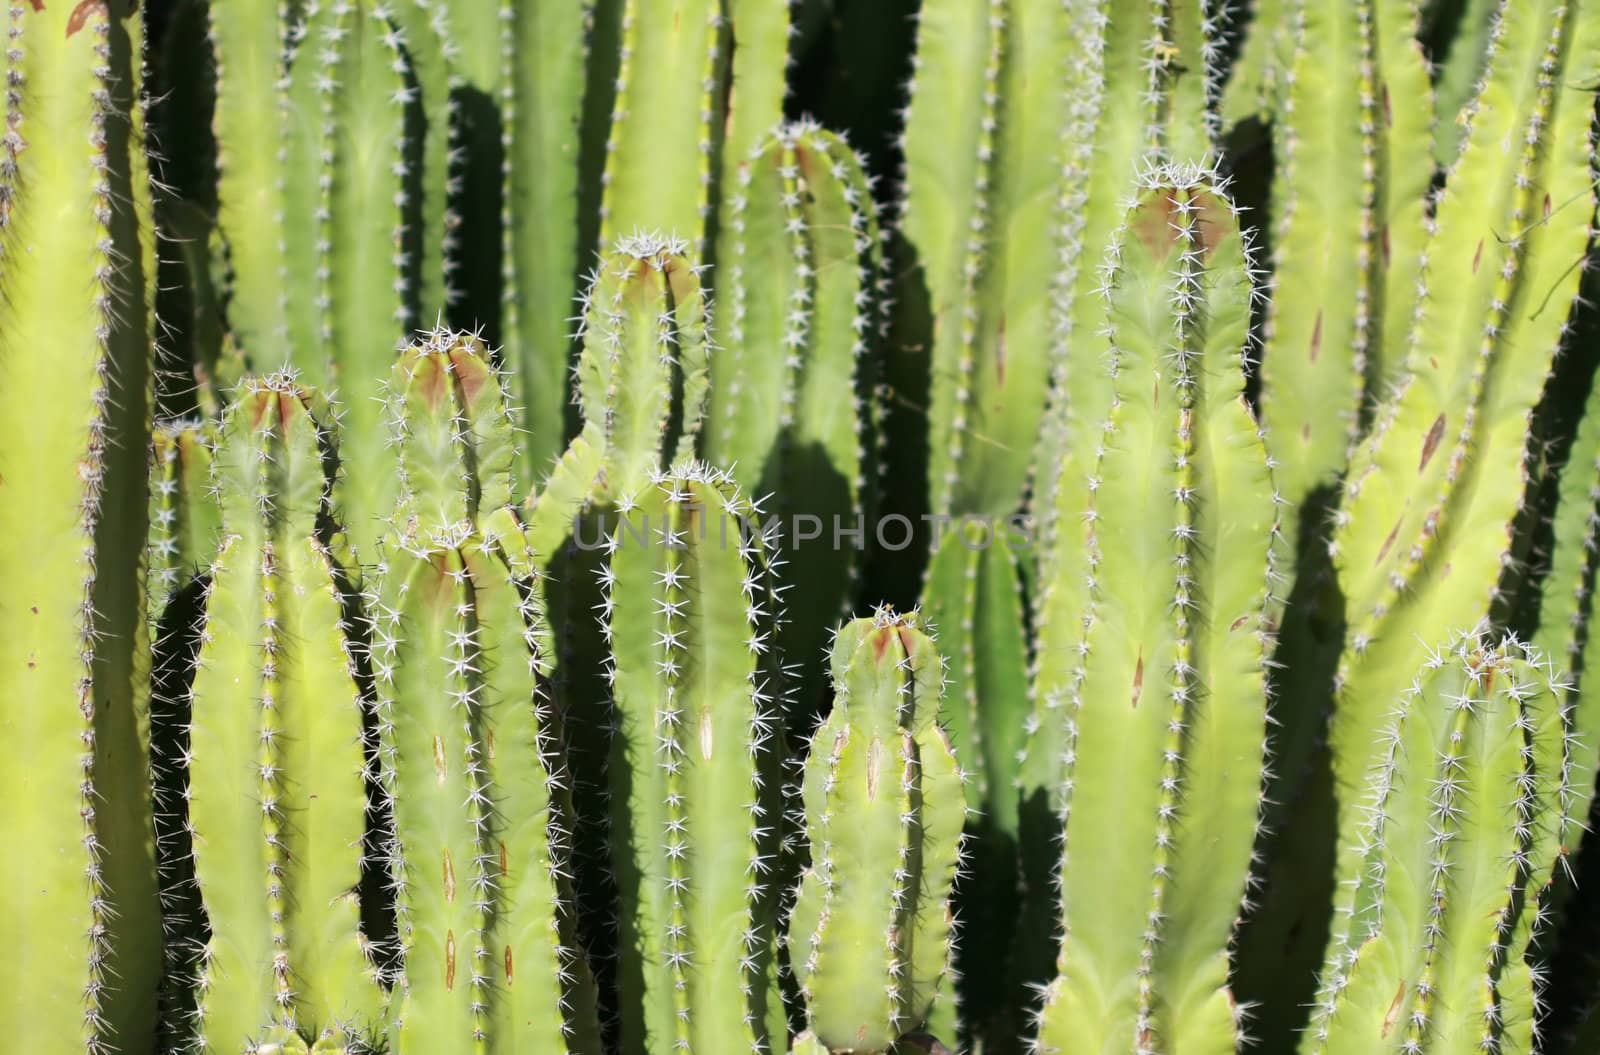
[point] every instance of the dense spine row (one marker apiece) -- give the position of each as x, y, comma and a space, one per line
1165, 700
84, 934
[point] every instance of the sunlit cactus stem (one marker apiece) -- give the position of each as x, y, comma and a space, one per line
471, 754
276, 774
83, 934
689, 615
1157, 716
870, 935
1466, 812
800, 291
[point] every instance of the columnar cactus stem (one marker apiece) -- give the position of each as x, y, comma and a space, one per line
432, 154
349, 90
249, 39
1320, 321
801, 262
84, 934
1433, 493
543, 48
276, 788
471, 756
1167, 680
870, 933
1566, 629
659, 157
1466, 812
472, 769
689, 614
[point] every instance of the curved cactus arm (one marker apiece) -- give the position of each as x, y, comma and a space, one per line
1440, 478
643, 373
659, 159
85, 934
551, 511
541, 101
1171, 684
543, 998
249, 41
1404, 184
691, 834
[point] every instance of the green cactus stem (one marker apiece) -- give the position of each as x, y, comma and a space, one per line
1158, 711
642, 381
1432, 495
84, 935
474, 777
870, 933
471, 752
544, 49
802, 263
689, 615
660, 155
1348, 201
1466, 811
276, 789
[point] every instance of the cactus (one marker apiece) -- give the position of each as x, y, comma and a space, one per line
1337, 297
801, 264
84, 932
471, 754
1167, 681
870, 931
660, 154
1425, 524
276, 774
689, 616
541, 98
185, 514
1466, 809
641, 381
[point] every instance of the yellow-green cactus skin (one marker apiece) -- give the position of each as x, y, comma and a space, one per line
275, 766
870, 933
83, 934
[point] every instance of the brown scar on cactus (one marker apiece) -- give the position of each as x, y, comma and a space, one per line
80, 14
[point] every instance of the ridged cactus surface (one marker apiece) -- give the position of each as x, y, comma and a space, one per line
1159, 711
276, 773
644, 526
870, 934
83, 932
1466, 813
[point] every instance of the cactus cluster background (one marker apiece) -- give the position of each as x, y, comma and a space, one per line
627, 527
